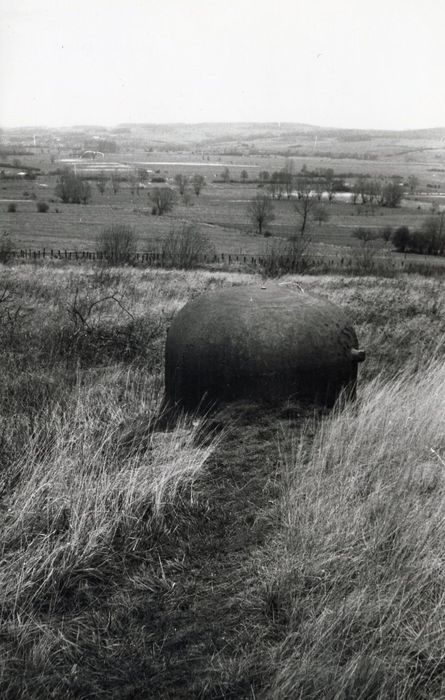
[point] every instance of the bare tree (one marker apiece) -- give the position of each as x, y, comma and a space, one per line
198, 182
163, 199
73, 189
181, 181
355, 191
260, 212
374, 191
433, 230
392, 194
264, 176
413, 183
277, 184
331, 185
225, 175
288, 175
101, 183
319, 189
305, 202
187, 197
365, 254
134, 185
115, 183
321, 214
362, 188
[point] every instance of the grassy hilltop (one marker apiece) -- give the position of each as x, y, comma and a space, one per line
260, 553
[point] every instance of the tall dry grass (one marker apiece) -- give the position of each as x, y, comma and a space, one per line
95, 490
92, 488
359, 582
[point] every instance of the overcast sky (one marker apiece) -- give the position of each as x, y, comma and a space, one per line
345, 63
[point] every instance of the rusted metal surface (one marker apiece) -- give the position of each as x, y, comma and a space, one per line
268, 343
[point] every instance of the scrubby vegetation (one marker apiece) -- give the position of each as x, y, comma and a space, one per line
117, 243
186, 248
42, 207
254, 553
428, 240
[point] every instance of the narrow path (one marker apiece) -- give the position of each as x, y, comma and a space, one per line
212, 610
192, 619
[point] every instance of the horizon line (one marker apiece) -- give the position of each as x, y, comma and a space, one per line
279, 123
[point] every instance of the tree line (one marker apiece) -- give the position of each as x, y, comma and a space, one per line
75, 189
429, 239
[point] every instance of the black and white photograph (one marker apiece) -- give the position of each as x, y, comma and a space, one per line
222, 350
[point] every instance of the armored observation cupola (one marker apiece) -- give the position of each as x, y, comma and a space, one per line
269, 343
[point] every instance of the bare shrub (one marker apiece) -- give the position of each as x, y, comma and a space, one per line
365, 256
260, 212
282, 257
366, 235
163, 200
12, 208
181, 181
6, 248
42, 207
198, 182
117, 243
185, 247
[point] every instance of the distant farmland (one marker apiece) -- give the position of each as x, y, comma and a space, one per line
164, 151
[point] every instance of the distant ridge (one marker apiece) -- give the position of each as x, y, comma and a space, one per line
276, 126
